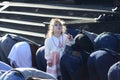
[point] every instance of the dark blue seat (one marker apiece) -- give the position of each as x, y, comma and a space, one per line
114, 72
25, 74
73, 63
40, 59
105, 55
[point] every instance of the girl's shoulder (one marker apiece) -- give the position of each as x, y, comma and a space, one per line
48, 39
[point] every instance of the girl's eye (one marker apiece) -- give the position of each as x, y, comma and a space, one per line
58, 24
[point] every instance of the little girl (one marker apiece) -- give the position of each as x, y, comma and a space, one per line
55, 45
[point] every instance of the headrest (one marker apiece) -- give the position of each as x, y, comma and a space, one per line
82, 42
107, 40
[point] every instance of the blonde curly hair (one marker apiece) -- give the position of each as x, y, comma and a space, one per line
51, 26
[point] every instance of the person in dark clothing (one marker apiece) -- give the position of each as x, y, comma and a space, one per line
73, 62
114, 72
106, 54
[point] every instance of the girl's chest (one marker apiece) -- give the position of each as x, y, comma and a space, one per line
57, 44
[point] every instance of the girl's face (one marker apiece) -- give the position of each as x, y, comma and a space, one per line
57, 27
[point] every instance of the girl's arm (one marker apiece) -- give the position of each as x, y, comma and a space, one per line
47, 50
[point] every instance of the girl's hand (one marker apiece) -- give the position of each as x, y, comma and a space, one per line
69, 40
69, 36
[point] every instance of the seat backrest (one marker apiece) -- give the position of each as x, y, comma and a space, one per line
6, 44
25, 74
40, 59
91, 35
107, 40
4, 66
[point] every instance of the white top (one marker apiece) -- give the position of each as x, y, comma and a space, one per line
54, 50
51, 45
53, 53
20, 54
